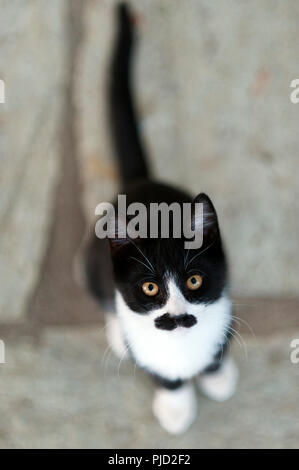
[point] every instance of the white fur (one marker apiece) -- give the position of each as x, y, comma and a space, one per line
115, 337
175, 410
220, 385
180, 353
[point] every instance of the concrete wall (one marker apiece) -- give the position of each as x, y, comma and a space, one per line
33, 58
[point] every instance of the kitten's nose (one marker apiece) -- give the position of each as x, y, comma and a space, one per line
170, 322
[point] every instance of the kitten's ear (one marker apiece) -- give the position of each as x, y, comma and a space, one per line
210, 219
120, 239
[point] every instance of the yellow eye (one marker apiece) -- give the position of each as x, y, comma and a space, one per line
150, 288
194, 282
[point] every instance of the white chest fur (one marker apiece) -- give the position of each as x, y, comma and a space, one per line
180, 353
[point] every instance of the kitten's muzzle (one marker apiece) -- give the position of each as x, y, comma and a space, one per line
168, 322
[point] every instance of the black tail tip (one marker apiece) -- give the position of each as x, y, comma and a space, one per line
125, 26
124, 13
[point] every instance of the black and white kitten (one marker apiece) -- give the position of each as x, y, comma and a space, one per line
166, 307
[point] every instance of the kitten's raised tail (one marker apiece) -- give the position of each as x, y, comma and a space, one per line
126, 138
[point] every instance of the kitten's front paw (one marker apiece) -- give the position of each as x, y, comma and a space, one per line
220, 385
175, 409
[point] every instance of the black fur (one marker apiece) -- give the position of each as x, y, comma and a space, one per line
99, 272
129, 148
168, 257
167, 322
169, 384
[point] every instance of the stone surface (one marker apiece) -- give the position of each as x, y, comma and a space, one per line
33, 64
213, 81
68, 391
95, 158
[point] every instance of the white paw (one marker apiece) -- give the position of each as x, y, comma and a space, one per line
175, 409
220, 385
115, 337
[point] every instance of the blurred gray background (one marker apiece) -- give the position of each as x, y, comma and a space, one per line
213, 88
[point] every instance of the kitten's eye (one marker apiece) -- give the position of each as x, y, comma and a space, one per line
150, 288
194, 282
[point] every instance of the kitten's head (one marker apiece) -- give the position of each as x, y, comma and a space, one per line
161, 276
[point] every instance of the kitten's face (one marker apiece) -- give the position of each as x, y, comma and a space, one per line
160, 276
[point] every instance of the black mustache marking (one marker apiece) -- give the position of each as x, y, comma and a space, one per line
167, 322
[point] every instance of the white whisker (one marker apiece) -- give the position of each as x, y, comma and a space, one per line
105, 357
240, 320
186, 258
200, 253
121, 360
237, 334
141, 262
151, 267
